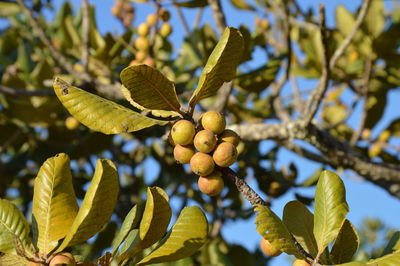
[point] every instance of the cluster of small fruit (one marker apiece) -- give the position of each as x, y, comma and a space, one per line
124, 11
215, 145
142, 42
269, 250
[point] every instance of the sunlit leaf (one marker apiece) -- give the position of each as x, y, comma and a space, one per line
191, 3
353, 263
344, 20
388, 260
100, 114
12, 260
221, 65
187, 235
149, 88
97, 206
330, 208
12, 223
375, 18
54, 204
271, 228
9, 9
241, 4
346, 243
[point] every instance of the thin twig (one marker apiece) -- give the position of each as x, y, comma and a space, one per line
85, 35
182, 19
25, 93
218, 14
197, 19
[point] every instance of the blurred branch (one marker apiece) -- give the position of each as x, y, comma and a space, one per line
218, 14
85, 35
182, 19
197, 19
22, 92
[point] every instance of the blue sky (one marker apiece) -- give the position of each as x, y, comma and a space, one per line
365, 199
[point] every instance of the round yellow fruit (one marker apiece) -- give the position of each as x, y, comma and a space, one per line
212, 184
165, 30
140, 55
149, 61
182, 132
183, 154
300, 263
225, 154
230, 136
72, 123
142, 43
213, 121
151, 19
63, 259
202, 164
274, 189
143, 29
268, 248
205, 141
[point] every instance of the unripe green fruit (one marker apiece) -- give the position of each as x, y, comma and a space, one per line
212, 184
268, 248
202, 164
225, 154
142, 43
182, 132
143, 29
151, 19
230, 136
72, 123
63, 259
300, 263
183, 154
213, 121
205, 141
164, 14
165, 30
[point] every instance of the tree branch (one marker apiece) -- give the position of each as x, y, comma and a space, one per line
85, 35
218, 14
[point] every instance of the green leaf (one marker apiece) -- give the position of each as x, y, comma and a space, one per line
98, 113
187, 235
375, 18
271, 228
130, 222
9, 9
221, 65
300, 222
346, 243
353, 263
241, 4
388, 260
12, 223
344, 20
149, 88
311, 180
192, 3
330, 208
131, 238
97, 206
12, 260
54, 203
393, 245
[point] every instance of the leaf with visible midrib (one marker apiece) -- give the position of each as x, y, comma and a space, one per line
300, 222
13, 260
330, 208
221, 65
346, 243
271, 228
100, 114
12, 222
54, 203
149, 88
187, 235
392, 259
97, 206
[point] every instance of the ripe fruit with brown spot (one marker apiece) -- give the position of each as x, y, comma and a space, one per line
225, 154
151, 19
165, 30
183, 154
164, 14
202, 164
268, 248
205, 141
213, 121
63, 259
212, 184
72, 123
300, 263
143, 29
230, 136
182, 132
142, 43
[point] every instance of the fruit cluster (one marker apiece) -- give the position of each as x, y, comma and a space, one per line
268, 249
215, 145
124, 11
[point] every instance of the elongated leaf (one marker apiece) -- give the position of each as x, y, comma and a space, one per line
375, 18
241, 4
392, 259
100, 114
187, 235
344, 20
97, 206
393, 245
149, 88
54, 202
346, 243
330, 208
271, 228
130, 241
12, 222
221, 65
130, 222
300, 222
353, 263
12, 260
191, 3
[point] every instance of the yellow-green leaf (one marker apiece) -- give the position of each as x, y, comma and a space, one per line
12, 223
54, 203
187, 235
98, 113
375, 18
192, 3
97, 206
271, 228
330, 208
300, 222
353, 263
392, 259
221, 65
149, 88
346, 243
393, 245
241, 4
12, 260
344, 20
